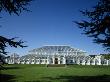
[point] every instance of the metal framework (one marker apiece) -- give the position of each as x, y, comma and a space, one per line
58, 54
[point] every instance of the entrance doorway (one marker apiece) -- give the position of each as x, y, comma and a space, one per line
56, 60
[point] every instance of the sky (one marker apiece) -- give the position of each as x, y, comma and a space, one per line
49, 23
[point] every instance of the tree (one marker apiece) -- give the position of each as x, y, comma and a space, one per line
12, 7
98, 23
106, 56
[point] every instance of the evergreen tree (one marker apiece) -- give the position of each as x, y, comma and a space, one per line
98, 25
12, 7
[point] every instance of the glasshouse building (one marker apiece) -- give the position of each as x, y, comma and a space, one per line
58, 54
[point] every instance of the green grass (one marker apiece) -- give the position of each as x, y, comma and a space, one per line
41, 73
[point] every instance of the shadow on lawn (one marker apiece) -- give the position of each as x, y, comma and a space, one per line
102, 78
10, 67
7, 78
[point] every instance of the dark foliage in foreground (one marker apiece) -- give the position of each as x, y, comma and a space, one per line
98, 23
4, 42
12, 7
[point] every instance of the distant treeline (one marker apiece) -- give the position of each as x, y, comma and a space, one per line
106, 56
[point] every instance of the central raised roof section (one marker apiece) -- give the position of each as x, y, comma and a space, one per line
56, 45
55, 49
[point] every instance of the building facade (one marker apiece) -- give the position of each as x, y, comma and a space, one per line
58, 54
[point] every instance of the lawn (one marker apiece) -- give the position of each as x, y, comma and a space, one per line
41, 73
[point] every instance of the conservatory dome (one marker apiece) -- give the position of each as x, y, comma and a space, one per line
58, 54
56, 50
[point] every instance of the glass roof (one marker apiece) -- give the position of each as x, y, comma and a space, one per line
53, 48
56, 50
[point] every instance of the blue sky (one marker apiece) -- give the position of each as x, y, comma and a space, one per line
50, 23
